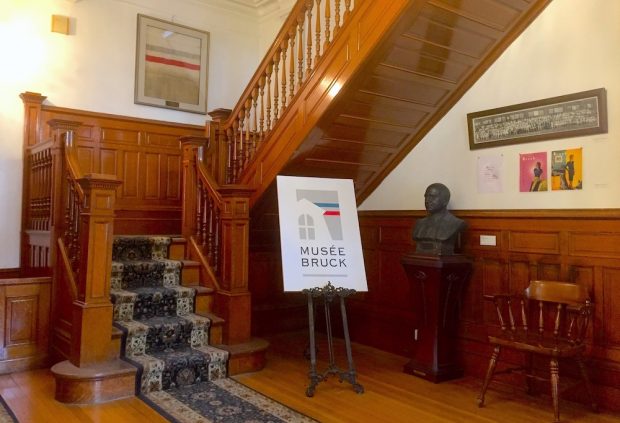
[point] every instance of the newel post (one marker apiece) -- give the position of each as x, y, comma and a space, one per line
92, 310
189, 145
234, 299
217, 134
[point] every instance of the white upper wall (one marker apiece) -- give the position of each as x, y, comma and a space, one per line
571, 47
93, 69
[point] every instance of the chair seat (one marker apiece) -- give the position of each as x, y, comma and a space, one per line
532, 343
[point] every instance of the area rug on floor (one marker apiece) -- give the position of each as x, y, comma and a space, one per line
6, 414
222, 400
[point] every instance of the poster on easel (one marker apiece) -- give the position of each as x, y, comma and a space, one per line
319, 234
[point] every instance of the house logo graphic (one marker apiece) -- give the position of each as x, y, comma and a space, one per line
318, 215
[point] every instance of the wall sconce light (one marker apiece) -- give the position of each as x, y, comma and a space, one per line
60, 24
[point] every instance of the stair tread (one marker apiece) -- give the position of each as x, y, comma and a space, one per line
153, 309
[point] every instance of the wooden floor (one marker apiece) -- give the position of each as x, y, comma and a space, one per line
390, 395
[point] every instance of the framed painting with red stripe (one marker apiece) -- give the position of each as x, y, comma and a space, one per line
171, 65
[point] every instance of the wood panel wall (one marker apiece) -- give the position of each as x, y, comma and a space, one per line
144, 154
582, 246
24, 323
575, 245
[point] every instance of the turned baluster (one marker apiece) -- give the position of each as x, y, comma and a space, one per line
284, 48
205, 217
230, 169
318, 32
347, 9
248, 131
75, 256
210, 244
268, 100
291, 89
197, 231
276, 65
261, 88
337, 16
309, 4
255, 135
216, 241
300, 49
235, 165
328, 12
241, 133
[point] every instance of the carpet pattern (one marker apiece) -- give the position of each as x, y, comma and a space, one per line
222, 400
162, 337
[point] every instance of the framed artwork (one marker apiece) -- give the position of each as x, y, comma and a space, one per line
571, 115
171, 66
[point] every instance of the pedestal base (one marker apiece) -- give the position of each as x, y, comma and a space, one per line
437, 284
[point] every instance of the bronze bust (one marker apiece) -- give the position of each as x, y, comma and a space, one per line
438, 232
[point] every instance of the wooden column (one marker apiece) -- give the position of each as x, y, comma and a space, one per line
190, 184
234, 300
217, 134
32, 117
92, 310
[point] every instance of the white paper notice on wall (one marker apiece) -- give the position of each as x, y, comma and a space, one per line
319, 234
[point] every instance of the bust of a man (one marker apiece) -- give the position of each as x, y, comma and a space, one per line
438, 232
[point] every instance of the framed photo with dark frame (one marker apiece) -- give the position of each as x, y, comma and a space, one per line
171, 66
572, 115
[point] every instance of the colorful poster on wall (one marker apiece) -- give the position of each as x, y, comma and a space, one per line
566, 169
533, 172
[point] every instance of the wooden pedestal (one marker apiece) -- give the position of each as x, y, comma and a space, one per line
437, 284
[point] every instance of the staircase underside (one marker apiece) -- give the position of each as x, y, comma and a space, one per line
432, 54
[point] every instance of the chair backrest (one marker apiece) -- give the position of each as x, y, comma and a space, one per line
557, 292
563, 306
559, 310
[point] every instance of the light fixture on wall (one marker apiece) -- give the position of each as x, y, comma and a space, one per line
60, 24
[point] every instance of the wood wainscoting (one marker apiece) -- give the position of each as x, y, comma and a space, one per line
582, 246
24, 323
573, 245
144, 154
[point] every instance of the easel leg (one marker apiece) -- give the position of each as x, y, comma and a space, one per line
350, 376
314, 377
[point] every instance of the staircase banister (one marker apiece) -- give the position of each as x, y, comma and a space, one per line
282, 37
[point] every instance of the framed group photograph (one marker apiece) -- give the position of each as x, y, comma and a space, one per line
171, 65
572, 115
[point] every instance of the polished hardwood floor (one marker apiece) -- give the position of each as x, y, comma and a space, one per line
390, 395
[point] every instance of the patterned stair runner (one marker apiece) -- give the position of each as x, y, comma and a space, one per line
162, 337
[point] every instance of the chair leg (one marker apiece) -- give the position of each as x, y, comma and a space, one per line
586, 379
555, 378
490, 371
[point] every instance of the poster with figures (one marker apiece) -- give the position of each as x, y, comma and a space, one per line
533, 172
319, 234
566, 169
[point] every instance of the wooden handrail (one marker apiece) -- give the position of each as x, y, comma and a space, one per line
289, 63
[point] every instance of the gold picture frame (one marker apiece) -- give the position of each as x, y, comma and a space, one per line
171, 65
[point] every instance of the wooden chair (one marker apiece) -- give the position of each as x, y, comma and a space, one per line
560, 312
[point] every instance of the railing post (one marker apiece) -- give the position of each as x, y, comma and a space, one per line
189, 145
222, 154
92, 310
234, 300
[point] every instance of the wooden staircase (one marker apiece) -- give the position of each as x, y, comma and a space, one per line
346, 90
